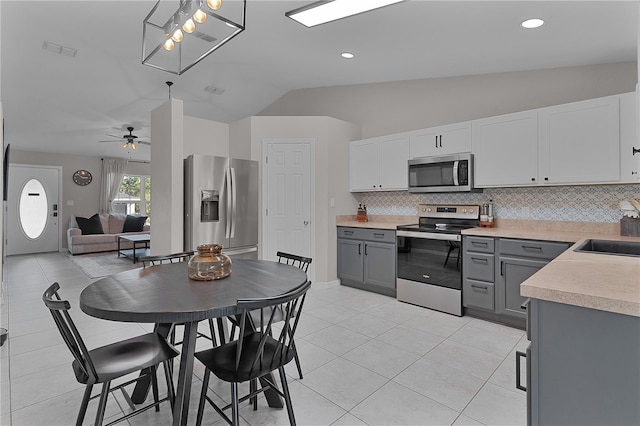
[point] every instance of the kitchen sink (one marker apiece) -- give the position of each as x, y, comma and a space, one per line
620, 248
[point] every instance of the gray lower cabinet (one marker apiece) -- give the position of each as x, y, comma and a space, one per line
367, 259
518, 260
478, 287
493, 269
583, 366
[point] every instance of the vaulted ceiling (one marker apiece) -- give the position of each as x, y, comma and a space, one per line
56, 103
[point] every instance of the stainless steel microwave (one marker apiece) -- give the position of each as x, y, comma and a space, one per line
448, 173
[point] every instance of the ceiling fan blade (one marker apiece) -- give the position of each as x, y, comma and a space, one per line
113, 136
143, 142
110, 141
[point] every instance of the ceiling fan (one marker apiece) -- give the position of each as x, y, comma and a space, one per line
130, 140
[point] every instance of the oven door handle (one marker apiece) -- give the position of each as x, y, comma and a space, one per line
429, 235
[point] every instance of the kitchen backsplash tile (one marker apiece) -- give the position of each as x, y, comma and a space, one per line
565, 203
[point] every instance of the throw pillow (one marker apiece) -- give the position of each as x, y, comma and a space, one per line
91, 225
134, 223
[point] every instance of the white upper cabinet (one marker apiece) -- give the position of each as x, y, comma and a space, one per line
379, 164
629, 138
441, 140
580, 142
573, 143
505, 150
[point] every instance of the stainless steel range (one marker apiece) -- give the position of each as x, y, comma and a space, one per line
429, 264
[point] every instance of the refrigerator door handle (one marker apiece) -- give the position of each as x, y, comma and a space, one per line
234, 193
227, 225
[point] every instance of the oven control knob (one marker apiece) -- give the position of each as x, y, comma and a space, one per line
464, 210
429, 209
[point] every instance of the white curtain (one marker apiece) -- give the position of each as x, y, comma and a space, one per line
113, 170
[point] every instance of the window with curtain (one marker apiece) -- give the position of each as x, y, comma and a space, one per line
134, 196
113, 170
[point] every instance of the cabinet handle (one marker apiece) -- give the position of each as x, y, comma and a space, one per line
359, 248
479, 243
348, 232
502, 268
378, 234
479, 287
532, 248
525, 305
635, 150
436, 141
440, 141
546, 179
479, 259
518, 373
533, 179
365, 249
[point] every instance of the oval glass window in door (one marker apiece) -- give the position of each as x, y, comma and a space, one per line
33, 211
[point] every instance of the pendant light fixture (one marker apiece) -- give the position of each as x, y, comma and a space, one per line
193, 31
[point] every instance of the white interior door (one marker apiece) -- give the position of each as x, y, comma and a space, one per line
33, 209
288, 220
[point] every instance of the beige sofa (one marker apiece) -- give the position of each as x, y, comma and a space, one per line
112, 225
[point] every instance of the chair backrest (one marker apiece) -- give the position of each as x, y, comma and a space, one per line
165, 258
60, 311
294, 260
290, 305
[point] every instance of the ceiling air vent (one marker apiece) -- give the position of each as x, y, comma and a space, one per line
214, 90
61, 50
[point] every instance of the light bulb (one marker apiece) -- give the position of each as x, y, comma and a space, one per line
124, 145
189, 26
199, 16
133, 146
214, 4
168, 45
177, 36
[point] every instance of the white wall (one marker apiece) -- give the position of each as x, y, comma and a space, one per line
205, 137
386, 108
167, 134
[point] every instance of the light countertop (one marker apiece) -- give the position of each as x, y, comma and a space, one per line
598, 281
376, 221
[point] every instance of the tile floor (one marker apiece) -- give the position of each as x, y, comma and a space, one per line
367, 359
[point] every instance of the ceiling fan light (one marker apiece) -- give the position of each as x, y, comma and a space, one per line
199, 16
189, 26
168, 45
214, 4
124, 145
177, 36
133, 146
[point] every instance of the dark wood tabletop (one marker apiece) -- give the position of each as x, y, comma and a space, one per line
165, 294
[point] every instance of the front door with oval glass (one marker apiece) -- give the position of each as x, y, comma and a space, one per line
32, 210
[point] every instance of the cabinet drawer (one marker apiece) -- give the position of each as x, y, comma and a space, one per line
351, 233
479, 266
532, 248
367, 234
479, 244
478, 294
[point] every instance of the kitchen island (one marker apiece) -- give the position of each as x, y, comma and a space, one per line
584, 326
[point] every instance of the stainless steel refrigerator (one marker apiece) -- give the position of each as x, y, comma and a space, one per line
221, 204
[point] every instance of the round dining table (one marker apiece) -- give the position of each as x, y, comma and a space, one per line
164, 295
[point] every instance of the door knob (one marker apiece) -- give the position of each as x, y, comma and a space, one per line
306, 222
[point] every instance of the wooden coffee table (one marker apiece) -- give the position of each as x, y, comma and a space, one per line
137, 251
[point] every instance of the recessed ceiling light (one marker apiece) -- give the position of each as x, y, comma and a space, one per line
532, 23
347, 55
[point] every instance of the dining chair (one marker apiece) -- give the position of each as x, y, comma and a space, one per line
148, 261
293, 260
165, 258
256, 353
106, 363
